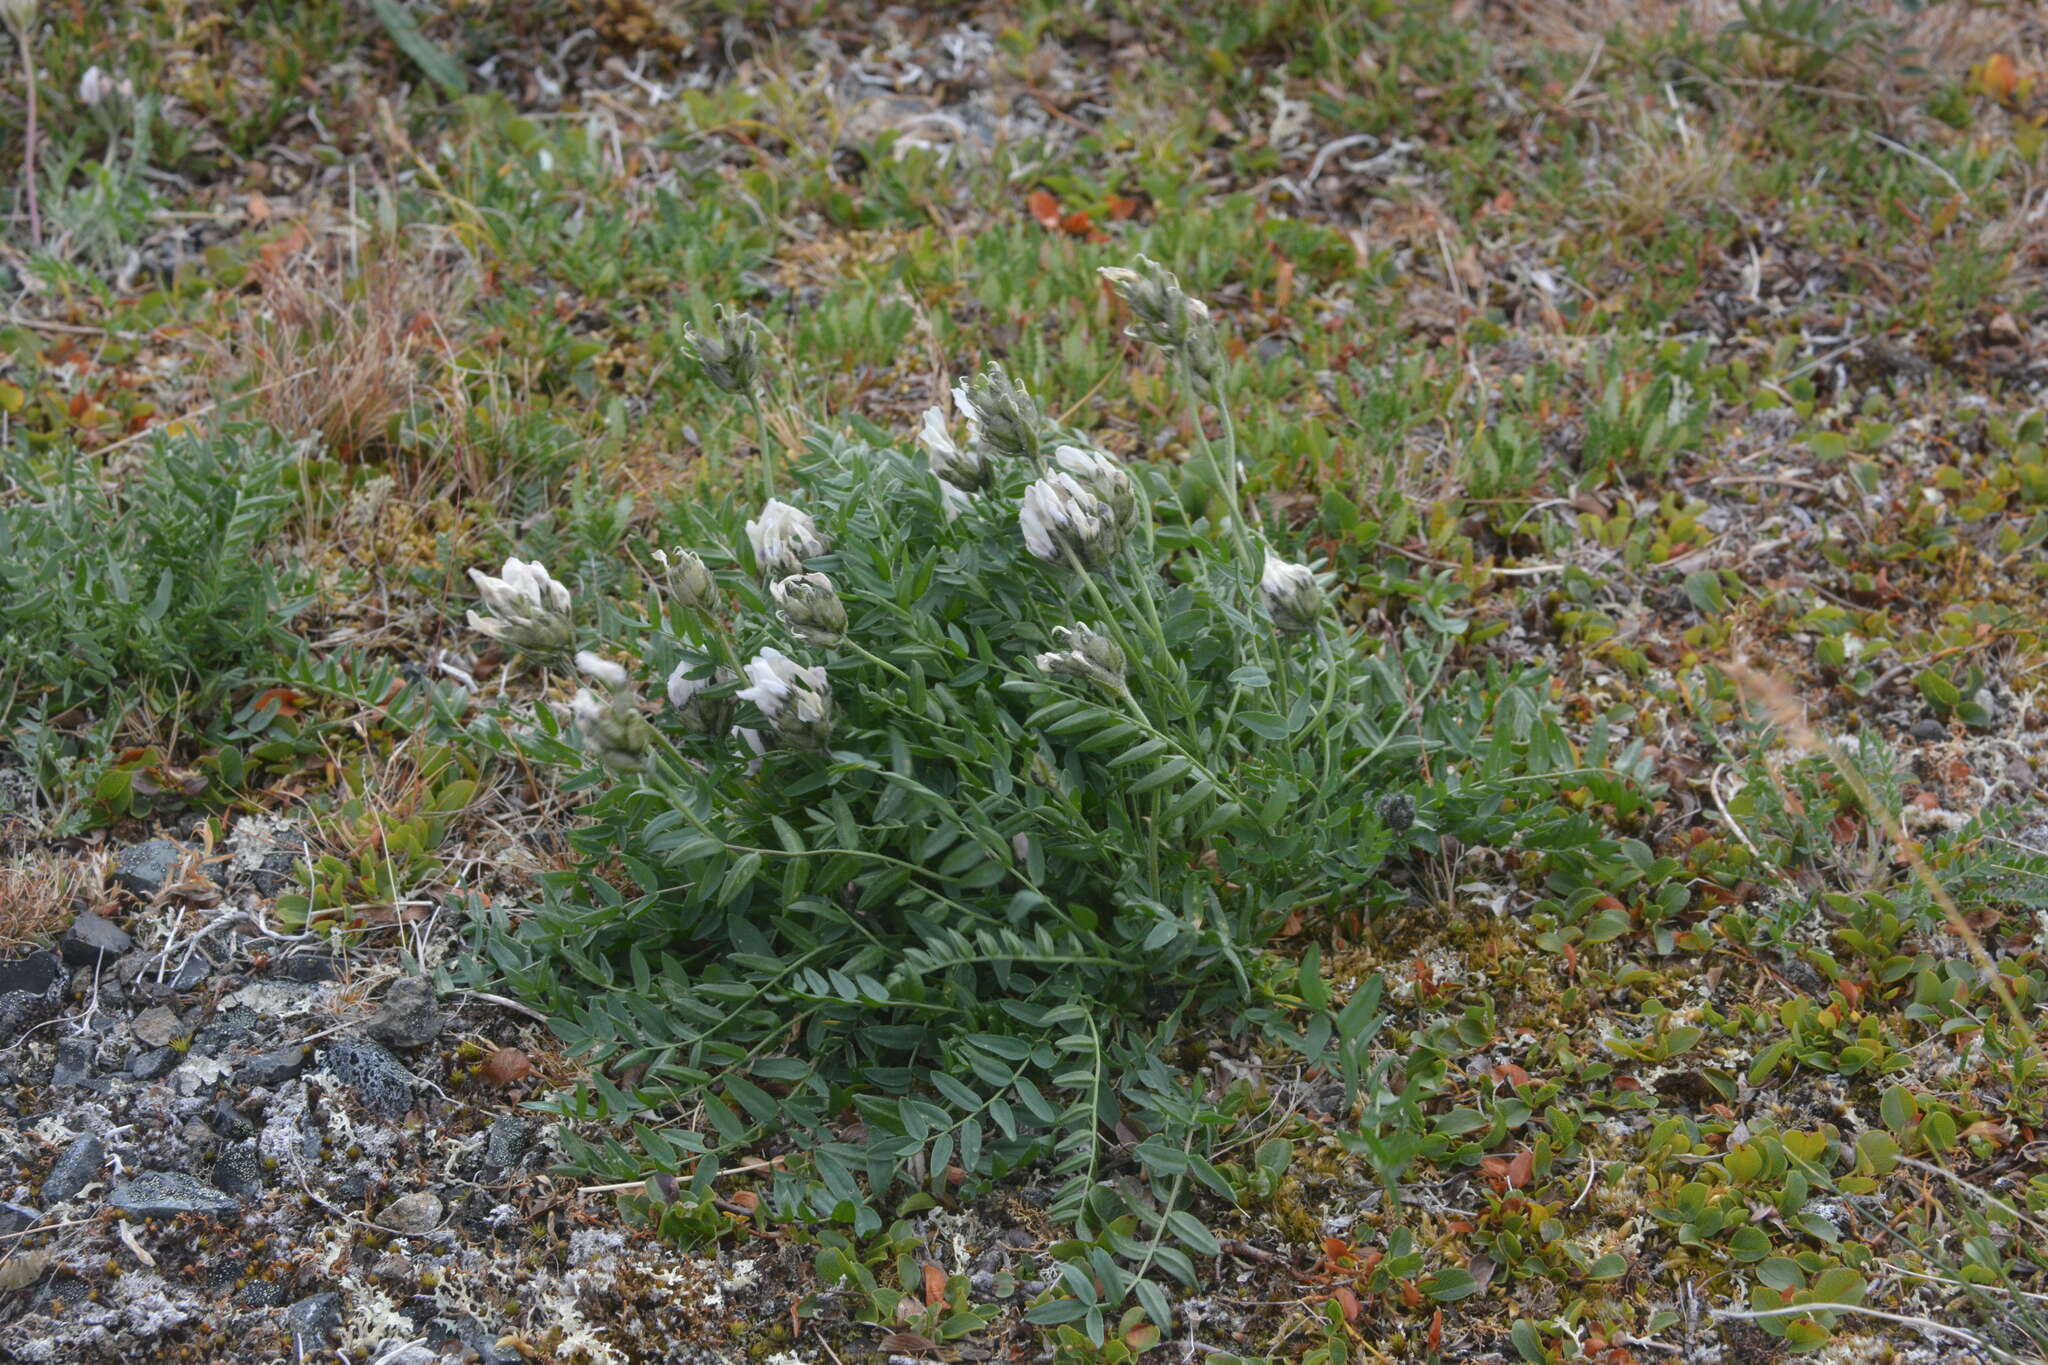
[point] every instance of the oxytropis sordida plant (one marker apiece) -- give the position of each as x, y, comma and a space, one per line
978, 767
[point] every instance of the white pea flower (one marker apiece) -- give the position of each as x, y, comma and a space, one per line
611, 729
1104, 475
700, 714
612, 675
1062, 516
689, 582
811, 608
796, 700
532, 609
965, 466
1293, 599
953, 501
1087, 654
96, 86
783, 538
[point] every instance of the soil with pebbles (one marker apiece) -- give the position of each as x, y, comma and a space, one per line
219, 1143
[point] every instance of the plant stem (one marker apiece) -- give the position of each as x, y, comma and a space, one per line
25, 41
767, 444
876, 660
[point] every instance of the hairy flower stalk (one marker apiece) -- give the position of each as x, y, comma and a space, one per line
783, 538
796, 701
1293, 599
811, 609
963, 466
1003, 416
1167, 317
1103, 476
700, 714
531, 610
690, 584
1086, 654
730, 352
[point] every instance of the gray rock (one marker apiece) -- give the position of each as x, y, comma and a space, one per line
227, 1121
412, 1215
306, 968
144, 868
74, 1063
166, 1194
467, 1329
15, 1217
261, 1294
506, 1141
272, 1068
31, 990
379, 1079
237, 1172
155, 1027
155, 1064
408, 1017
313, 1320
92, 938
275, 873
73, 1169
226, 1029
1929, 731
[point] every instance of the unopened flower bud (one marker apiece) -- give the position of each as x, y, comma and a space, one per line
1005, 417
1292, 598
1062, 516
19, 14
611, 729
783, 538
1397, 811
796, 701
690, 584
612, 675
1166, 317
811, 608
531, 609
1085, 653
730, 352
963, 466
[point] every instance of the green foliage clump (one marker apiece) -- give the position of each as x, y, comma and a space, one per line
162, 585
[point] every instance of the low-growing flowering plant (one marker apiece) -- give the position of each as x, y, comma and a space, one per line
975, 783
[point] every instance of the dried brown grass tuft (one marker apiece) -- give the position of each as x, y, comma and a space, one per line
38, 891
342, 349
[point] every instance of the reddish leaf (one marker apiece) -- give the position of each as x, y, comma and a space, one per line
1347, 1303
1121, 208
934, 1284
1045, 208
1520, 1169
1077, 223
506, 1065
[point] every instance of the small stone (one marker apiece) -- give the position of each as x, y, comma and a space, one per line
31, 991
2019, 772
392, 1265
408, 1017
73, 1169
167, 1194
1928, 731
470, 1331
74, 1063
15, 1217
155, 1026
144, 868
379, 1079
92, 938
507, 1139
226, 1028
412, 1215
237, 1172
272, 1068
313, 1320
2003, 330
227, 1121
261, 1294
306, 968
155, 1064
